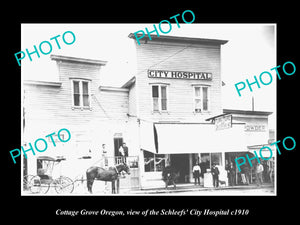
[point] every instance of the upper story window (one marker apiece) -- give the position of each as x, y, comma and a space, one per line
159, 98
81, 93
201, 99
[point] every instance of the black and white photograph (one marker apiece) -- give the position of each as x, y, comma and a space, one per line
137, 113
132, 115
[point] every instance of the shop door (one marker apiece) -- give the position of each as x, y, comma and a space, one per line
117, 143
181, 163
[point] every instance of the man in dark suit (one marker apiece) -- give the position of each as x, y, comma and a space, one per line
215, 174
231, 173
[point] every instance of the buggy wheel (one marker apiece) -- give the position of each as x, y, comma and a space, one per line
64, 185
45, 185
34, 184
26, 182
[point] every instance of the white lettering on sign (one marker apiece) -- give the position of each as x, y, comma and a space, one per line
223, 122
255, 128
179, 75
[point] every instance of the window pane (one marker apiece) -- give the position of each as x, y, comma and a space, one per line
76, 87
86, 100
159, 163
216, 158
155, 91
205, 98
85, 87
149, 164
76, 99
163, 98
164, 104
197, 91
155, 104
148, 161
163, 92
197, 105
148, 154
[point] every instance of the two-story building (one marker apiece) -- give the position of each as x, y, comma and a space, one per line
176, 96
169, 112
94, 116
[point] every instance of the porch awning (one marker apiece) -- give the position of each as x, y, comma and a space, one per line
147, 139
182, 138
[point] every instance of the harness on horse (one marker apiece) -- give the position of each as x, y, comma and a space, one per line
119, 173
116, 170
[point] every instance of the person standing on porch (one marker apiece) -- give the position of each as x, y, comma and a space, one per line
259, 170
215, 174
123, 151
196, 173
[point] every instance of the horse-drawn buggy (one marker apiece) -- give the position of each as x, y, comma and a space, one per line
42, 182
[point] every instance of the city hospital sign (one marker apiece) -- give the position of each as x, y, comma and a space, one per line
179, 75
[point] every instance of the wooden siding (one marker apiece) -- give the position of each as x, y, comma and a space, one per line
132, 101
50, 107
114, 103
178, 57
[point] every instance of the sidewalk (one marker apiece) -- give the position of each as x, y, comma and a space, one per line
196, 188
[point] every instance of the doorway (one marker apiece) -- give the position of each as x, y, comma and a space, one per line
181, 163
117, 143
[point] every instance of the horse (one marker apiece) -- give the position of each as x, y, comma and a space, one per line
110, 174
170, 176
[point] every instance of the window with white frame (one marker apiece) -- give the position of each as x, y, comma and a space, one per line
81, 93
154, 162
201, 98
159, 97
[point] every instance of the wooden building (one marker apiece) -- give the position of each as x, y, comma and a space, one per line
169, 112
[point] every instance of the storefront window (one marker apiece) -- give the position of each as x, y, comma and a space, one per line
216, 158
207, 159
204, 162
154, 162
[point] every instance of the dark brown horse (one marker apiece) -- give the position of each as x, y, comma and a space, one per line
111, 174
170, 176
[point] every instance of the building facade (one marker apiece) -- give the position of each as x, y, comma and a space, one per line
168, 113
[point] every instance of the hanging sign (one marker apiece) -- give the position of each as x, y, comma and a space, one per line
223, 122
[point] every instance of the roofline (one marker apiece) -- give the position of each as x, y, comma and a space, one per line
78, 60
181, 39
129, 83
247, 112
115, 89
214, 117
42, 83
185, 123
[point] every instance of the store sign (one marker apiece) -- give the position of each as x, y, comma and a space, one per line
255, 127
179, 75
223, 122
